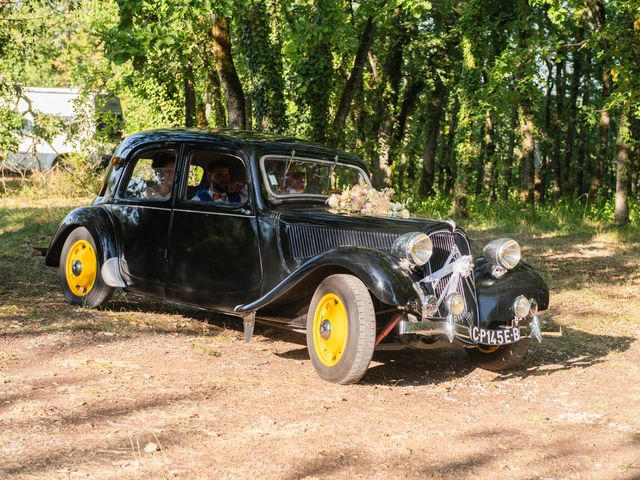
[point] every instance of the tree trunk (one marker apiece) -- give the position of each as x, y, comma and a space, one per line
581, 158
464, 162
490, 150
450, 155
574, 90
219, 116
264, 61
387, 99
189, 100
541, 182
411, 94
524, 88
248, 112
597, 11
526, 157
221, 46
508, 163
366, 39
558, 184
634, 162
622, 167
433, 129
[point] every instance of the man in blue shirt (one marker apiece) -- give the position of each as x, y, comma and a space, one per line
221, 189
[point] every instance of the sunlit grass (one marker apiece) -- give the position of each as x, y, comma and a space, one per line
566, 217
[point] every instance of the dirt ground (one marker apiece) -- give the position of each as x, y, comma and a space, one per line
144, 389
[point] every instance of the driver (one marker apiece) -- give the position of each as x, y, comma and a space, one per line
163, 165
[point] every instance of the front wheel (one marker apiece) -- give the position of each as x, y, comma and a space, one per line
499, 358
341, 329
79, 271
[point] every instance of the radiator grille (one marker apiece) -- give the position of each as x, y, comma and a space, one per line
308, 241
443, 244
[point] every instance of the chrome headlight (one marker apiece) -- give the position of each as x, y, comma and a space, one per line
521, 306
455, 304
503, 252
415, 247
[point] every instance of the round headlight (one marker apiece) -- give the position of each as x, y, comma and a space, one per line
503, 252
521, 306
415, 247
455, 304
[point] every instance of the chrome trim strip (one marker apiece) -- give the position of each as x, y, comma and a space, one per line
184, 210
148, 207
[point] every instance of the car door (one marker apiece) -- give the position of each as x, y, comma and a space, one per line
214, 257
142, 208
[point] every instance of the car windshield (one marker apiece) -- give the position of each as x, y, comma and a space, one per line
305, 177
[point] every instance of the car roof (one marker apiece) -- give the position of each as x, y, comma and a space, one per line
262, 142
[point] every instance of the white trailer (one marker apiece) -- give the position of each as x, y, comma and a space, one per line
35, 153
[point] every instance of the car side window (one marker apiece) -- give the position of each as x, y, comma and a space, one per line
151, 177
215, 177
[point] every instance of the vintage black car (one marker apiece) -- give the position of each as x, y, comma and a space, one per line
238, 223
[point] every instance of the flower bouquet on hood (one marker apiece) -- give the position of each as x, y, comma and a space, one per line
365, 200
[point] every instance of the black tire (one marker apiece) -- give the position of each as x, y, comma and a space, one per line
503, 358
80, 246
355, 337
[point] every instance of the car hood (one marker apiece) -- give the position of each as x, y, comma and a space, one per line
314, 216
310, 230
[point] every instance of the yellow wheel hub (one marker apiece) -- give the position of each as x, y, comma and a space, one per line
488, 348
81, 268
330, 329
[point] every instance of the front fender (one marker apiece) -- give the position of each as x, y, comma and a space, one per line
377, 270
94, 219
496, 295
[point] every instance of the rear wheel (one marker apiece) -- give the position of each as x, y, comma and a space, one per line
341, 329
498, 358
79, 271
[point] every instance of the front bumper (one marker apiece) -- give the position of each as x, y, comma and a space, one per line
441, 330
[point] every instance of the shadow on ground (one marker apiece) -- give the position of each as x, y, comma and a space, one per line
575, 349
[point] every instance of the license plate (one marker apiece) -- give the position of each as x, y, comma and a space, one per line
494, 337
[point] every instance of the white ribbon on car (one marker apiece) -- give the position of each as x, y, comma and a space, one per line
460, 268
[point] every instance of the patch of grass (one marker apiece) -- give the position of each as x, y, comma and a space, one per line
205, 349
79, 181
7, 356
579, 218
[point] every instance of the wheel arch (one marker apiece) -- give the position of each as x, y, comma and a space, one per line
97, 221
387, 282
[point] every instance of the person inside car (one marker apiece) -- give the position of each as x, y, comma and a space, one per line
163, 165
294, 183
221, 189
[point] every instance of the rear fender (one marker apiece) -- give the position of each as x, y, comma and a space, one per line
94, 219
378, 271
